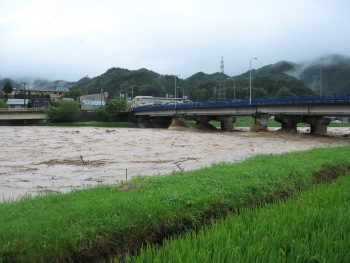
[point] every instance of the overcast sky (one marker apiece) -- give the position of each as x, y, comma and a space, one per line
69, 39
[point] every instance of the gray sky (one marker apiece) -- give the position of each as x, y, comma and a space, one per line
69, 39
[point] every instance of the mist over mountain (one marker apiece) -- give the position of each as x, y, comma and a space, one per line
329, 74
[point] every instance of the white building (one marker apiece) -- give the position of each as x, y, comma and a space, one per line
17, 103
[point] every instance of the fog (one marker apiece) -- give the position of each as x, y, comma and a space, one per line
67, 40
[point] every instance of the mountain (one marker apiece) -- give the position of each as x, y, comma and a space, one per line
275, 71
202, 78
14, 83
331, 73
43, 84
120, 81
284, 78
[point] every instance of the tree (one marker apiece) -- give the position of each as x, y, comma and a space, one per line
73, 93
64, 111
284, 91
3, 104
7, 88
112, 108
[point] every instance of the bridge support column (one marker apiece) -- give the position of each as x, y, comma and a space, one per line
318, 125
227, 123
143, 122
155, 122
161, 122
261, 119
288, 123
202, 122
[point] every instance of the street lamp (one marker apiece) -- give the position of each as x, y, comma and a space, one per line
175, 89
24, 95
101, 96
250, 82
132, 92
183, 94
234, 88
320, 79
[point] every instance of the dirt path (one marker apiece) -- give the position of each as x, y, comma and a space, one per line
46, 159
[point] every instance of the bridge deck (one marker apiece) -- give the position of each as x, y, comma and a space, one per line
22, 114
327, 105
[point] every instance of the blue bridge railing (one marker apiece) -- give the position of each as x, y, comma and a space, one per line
307, 99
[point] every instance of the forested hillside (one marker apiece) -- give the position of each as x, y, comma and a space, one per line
331, 73
325, 75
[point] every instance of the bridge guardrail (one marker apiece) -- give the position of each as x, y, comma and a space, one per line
311, 99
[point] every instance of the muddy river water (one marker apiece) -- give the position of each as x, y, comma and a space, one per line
48, 159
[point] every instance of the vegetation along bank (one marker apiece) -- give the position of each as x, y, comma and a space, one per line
110, 221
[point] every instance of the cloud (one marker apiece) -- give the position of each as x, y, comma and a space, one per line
70, 39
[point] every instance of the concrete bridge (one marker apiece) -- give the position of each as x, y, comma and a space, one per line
31, 114
289, 111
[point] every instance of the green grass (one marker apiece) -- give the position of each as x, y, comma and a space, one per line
91, 224
310, 227
242, 121
92, 124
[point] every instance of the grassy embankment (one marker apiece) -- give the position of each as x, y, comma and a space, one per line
249, 121
105, 221
312, 226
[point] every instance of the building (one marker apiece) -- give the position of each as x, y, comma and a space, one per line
40, 102
17, 103
54, 94
61, 88
92, 101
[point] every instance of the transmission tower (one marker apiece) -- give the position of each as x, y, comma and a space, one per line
222, 89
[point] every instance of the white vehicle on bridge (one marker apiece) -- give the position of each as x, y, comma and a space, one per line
140, 101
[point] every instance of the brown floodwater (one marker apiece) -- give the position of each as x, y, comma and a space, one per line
36, 160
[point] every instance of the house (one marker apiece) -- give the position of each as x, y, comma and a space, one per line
40, 102
61, 88
17, 103
54, 94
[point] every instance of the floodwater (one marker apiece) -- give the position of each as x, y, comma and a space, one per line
36, 160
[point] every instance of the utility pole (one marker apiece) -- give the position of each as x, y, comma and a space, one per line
24, 96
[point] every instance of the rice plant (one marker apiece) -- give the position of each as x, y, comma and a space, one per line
310, 227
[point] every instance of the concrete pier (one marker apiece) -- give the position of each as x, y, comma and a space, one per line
289, 123
227, 123
318, 125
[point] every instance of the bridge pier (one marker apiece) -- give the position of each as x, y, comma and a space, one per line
227, 123
261, 119
202, 122
289, 123
154, 122
318, 125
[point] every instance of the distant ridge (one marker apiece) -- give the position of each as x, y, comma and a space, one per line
334, 71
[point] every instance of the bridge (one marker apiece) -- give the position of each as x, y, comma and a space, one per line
289, 111
30, 114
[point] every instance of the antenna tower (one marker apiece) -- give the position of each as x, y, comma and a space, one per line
222, 89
